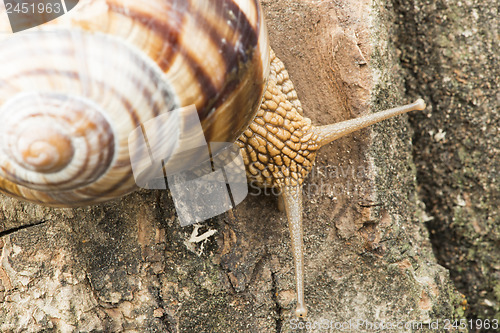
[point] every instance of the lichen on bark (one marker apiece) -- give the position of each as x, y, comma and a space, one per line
450, 53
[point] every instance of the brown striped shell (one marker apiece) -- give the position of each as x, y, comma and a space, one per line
73, 89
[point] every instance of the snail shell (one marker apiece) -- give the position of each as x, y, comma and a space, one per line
73, 89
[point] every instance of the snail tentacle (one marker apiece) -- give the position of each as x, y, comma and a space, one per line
292, 197
329, 133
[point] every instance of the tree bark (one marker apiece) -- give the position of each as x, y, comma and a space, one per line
127, 265
450, 54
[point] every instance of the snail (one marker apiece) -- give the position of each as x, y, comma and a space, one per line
73, 89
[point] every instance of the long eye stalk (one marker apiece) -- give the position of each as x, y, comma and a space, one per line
329, 133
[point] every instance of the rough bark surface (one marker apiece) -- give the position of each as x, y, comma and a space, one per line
450, 51
128, 266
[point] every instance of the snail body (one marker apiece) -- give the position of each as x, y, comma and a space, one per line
111, 65
279, 148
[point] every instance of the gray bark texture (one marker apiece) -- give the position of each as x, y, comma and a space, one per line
450, 51
127, 265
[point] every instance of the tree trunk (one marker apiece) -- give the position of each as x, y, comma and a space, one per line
127, 265
450, 52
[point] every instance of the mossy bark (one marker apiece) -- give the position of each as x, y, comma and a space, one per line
128, 266
450, 54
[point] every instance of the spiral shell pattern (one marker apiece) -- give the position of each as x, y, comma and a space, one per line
56, 149
73, 89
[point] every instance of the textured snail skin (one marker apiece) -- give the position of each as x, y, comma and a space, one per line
278, 147
225, 82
